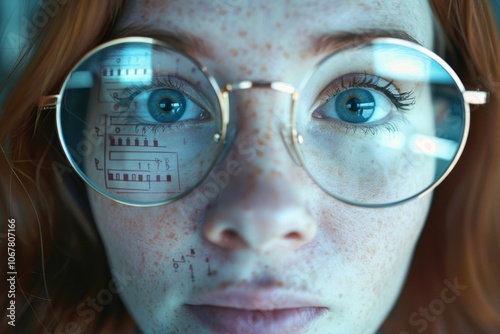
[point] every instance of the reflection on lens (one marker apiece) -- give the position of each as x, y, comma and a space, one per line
375, 123
147, 116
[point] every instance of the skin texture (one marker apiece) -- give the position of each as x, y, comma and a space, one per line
271, 226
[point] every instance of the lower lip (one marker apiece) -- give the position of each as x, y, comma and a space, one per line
231, 320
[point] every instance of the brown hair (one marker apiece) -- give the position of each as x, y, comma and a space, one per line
60, 258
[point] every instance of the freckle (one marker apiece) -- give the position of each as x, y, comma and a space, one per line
264, 68
303, 55
249, 14
242, 33
278, 25
268, 46
233, 52
267, 136
255, 46
155, 264
224, 285
276, 173
286, 55
171, 235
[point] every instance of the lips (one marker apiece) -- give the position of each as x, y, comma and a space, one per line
259, 311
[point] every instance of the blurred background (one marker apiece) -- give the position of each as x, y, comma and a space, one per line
12, 35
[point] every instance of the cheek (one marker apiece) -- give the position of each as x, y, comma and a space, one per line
373, 245
143, 239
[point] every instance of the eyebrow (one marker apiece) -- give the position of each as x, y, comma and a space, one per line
196, 46
182, 41
339, 40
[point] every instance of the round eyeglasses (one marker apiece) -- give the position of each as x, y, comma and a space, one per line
373, 125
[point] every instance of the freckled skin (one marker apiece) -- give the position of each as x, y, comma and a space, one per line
271, 223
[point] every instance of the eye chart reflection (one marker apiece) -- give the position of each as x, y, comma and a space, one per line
137, 157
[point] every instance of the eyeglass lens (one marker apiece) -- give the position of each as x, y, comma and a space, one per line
379, 123
139, 121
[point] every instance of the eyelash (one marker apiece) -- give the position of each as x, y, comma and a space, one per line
158, 82
402, 101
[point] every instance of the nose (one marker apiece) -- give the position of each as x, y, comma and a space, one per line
264, 204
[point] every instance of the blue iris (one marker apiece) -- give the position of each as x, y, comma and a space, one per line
166, 105
355, 105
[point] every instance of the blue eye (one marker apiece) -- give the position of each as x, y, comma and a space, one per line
166, 105
356, 105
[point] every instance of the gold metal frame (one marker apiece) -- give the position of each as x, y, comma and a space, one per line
292, 139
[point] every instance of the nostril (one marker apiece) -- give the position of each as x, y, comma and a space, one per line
229, 235
293, 235
230, 238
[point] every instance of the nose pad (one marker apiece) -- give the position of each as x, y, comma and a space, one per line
231, 130
287, 136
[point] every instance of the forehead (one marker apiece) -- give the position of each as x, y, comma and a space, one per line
282, 17
281, 29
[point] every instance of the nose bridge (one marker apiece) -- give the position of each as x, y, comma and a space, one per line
261, 204
284, 124
264, 169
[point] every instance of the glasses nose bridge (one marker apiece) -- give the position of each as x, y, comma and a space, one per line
286, 129
278, 86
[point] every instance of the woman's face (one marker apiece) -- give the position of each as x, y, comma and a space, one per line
272, 252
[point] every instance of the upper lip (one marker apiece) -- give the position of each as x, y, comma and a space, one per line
263, 299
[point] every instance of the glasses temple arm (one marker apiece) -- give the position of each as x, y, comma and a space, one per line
48, 102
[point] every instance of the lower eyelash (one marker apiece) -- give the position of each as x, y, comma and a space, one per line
155, 128
390, 127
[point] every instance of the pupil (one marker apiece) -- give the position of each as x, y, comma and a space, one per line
354, 105
168, 105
